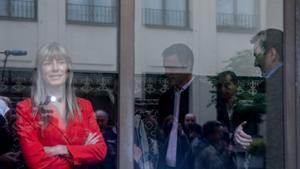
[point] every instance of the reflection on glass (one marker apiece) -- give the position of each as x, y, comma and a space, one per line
205, 98
268, 52
92, 11
178, 60
165, 13
238, 13
18, 9
94, 73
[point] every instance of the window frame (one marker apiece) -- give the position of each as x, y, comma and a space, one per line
90, 21
291, 114
17, 18
163, 16
235, 27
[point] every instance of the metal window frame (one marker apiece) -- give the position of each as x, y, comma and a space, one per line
90, 21
15, 18
186, 26
234, 28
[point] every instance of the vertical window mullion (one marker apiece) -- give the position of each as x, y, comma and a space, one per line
257, 13
9, 12
187, 13
35, 3
90, 10
126, 83
235, 12
164, 12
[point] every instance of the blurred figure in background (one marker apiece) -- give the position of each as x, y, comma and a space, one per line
10, 154
210, 151
190, 126
110, 138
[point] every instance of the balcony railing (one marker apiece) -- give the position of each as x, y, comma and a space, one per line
168, 18
17, 9
91, 14
237, 21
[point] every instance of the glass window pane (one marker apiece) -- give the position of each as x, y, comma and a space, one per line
3, 7
78, 10
58, 90
246, 15
153, 4
94, 12
225, 12
246, 7
153, 12
22, 8
176, 12
225, 6
104, 11
204, 96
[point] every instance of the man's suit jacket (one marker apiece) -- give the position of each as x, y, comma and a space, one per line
241, 112
166, 105
274, 120
33, 138
166, 108
222, 115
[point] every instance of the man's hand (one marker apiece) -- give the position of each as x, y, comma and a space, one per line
240, 137
10, 157
137, 153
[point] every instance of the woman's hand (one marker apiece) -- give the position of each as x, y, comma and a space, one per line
57, 150
61, 150
92, 138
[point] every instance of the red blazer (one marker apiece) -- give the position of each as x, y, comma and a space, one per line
33, 138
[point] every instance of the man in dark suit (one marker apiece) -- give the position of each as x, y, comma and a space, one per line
178, 62
176, 103
227, 87
268, 57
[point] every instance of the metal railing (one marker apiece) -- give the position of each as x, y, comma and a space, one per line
161, 17
18, 9
93, 14
241, 21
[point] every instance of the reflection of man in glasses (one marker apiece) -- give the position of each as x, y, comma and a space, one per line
178, 62
268, 57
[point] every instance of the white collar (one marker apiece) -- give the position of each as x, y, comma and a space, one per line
271, 72
186, 85
3, 108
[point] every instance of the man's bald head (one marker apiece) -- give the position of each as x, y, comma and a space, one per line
102, 118
189, 119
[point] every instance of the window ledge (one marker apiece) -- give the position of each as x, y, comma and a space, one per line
183, 28
19, 19
236, 29
86, 23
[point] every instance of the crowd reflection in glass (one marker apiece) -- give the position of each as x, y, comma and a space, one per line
248, 126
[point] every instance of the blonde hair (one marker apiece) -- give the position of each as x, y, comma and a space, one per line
39, 95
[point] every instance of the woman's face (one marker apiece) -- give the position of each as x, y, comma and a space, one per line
55, 71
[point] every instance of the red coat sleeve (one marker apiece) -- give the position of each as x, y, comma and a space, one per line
31, 146
88, 154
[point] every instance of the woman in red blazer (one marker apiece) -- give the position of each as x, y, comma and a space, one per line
56, 129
